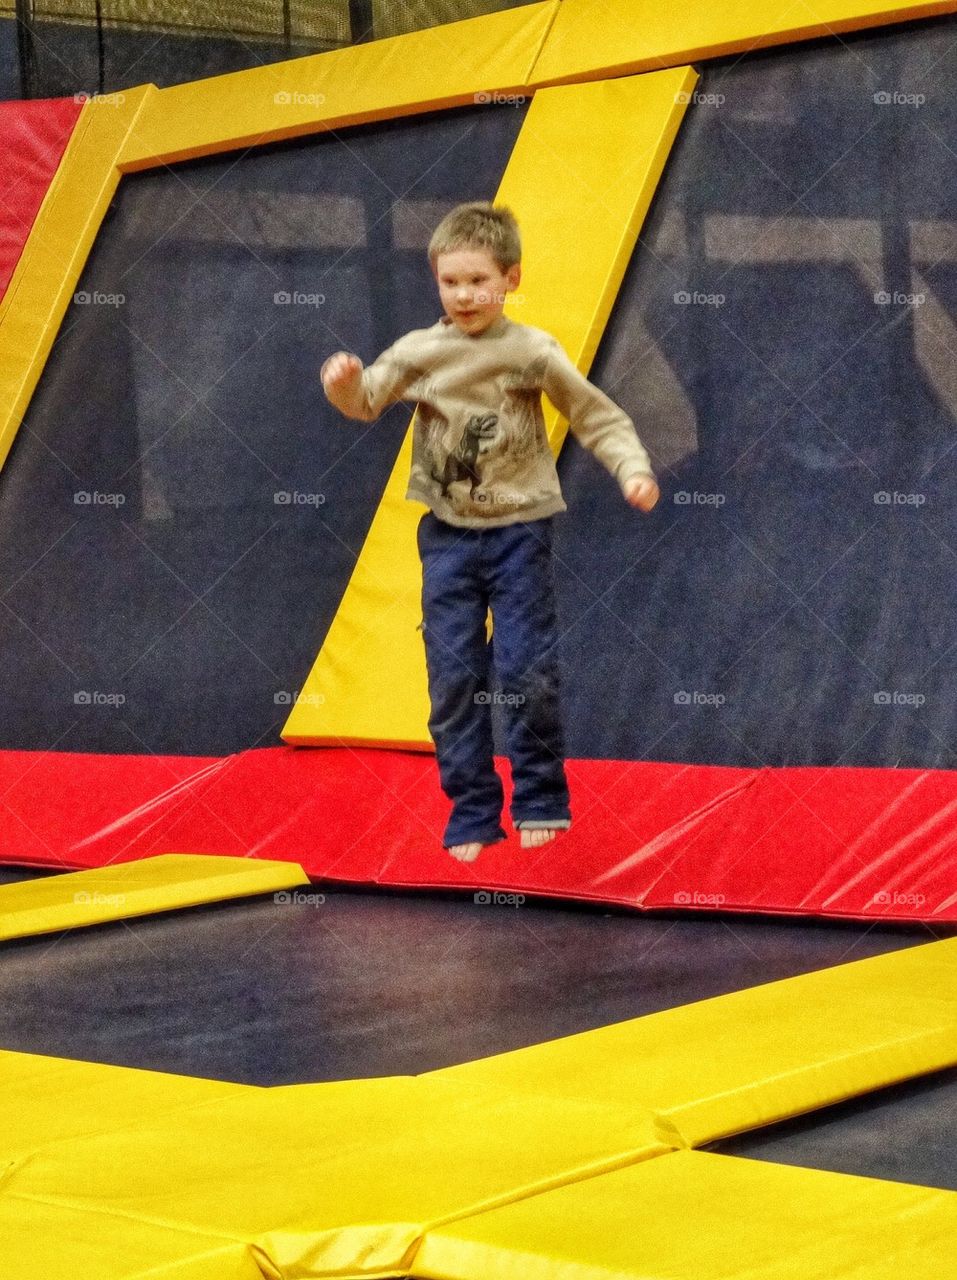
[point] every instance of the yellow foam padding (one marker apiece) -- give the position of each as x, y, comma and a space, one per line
64, 229
580, 180
40, 1241
445, 66
644, 35
338, 1179
45, 1100
138, 128
739, 1061
122, 890
697, 1216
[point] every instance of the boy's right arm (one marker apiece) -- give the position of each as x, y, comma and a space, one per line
364, 393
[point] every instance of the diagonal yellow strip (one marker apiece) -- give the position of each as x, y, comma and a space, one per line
604, 38
580, 180
693, 1216
119, 892
450, 65
47, 1100
753, 1057
56, 249
143, 127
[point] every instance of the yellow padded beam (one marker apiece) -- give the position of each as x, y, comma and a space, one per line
45, 1100
452, 65
40, 1241
340, 1179
140, 888
613, 39
446, 66
747, 1059
348, 1179
697, 1216
604, 145
56, 249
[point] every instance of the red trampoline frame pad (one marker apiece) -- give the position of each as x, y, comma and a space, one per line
859, 843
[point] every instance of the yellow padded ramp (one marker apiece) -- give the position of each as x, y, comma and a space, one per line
695, 1216
338, 1179
45, 1100
127, 889
643, 35
444, 66
607, 143
40, 1241
739, 1061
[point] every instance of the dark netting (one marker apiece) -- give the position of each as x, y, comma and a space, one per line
65, 47
783, 339
182, 508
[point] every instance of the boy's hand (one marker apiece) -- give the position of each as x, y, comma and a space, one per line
340, 371
642, 491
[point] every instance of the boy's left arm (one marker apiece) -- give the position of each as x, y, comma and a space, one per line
601, 426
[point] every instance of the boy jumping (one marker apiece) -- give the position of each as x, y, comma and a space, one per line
482, 464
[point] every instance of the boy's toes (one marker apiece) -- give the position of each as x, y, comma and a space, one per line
536, 836
465, 852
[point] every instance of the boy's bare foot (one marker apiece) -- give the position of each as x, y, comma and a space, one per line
531, 839
465, 852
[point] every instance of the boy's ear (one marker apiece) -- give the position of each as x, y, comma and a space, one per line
514, 275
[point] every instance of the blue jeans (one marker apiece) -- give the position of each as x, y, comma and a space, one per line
464, 573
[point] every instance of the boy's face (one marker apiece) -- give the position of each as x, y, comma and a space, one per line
473, 286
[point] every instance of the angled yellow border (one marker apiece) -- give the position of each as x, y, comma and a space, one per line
523, 1166
580, 180
63, 233
606, 39
446, 66
517, 50
694, 1215
166, 883
442, 67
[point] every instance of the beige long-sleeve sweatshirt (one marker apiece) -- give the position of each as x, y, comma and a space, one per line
480, 455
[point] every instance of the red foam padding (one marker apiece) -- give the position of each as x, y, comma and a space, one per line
853, 842
33, 136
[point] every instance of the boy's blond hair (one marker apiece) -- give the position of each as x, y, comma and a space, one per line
479, 225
